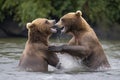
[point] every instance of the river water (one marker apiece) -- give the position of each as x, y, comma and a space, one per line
11, 50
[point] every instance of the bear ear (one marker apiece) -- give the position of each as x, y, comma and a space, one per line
78, 13
29, 25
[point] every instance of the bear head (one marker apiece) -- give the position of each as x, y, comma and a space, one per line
40, 29
42, 25
70, 22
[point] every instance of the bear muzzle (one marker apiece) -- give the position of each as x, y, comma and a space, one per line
53, 29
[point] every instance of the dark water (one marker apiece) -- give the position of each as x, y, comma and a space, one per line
11, 49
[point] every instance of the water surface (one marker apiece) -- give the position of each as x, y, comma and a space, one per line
11, 50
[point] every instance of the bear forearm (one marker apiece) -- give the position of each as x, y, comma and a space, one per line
76, 50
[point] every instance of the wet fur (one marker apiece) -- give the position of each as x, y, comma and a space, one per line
35, 56
84, 43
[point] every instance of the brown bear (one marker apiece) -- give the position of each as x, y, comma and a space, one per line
84, 43
35, 56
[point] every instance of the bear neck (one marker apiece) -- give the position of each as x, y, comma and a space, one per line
37, 37
81, 27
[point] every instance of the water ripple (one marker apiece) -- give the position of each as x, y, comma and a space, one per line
11, 49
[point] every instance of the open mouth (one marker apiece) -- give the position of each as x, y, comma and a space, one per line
53, 29
64, 29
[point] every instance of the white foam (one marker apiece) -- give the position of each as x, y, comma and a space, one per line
70, 63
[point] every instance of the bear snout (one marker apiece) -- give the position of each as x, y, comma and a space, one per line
54, 21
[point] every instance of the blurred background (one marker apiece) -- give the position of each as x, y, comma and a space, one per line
102, 15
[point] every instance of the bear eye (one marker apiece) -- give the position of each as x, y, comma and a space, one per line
46, 22
62, 20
